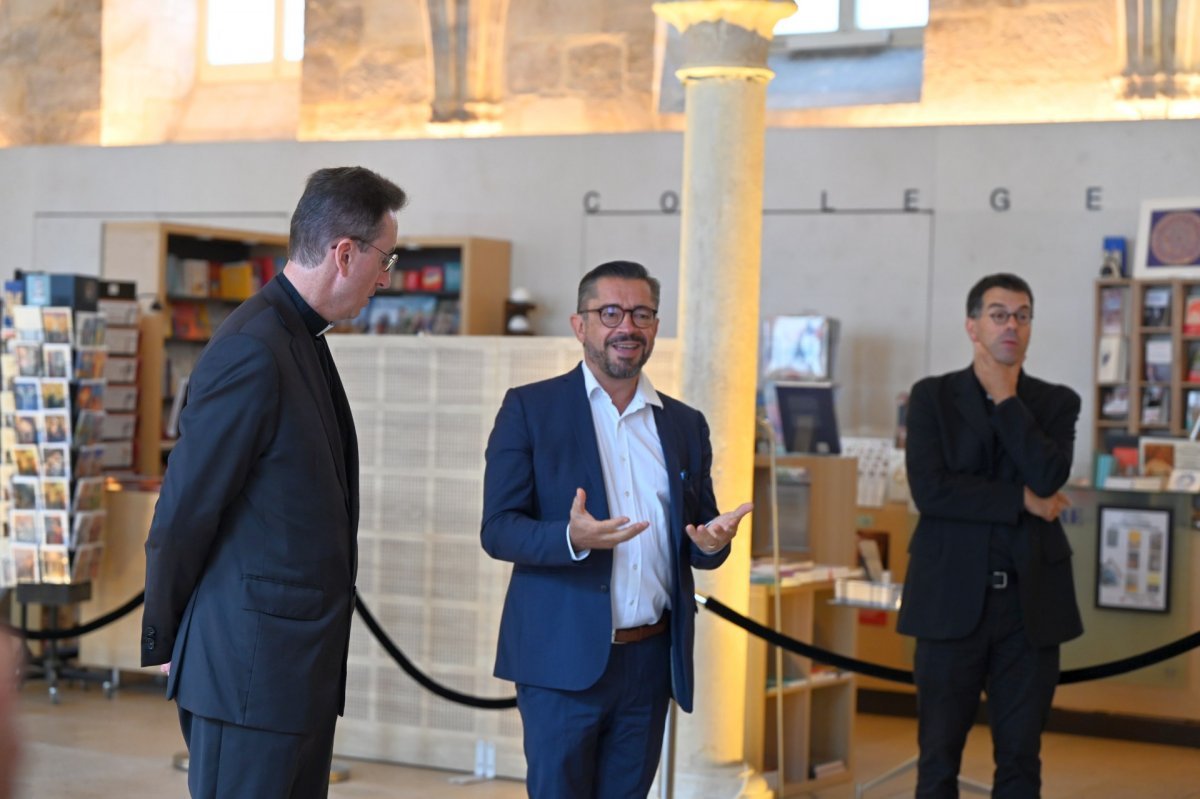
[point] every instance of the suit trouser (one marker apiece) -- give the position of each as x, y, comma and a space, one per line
603, 742
1019, 679
226, 760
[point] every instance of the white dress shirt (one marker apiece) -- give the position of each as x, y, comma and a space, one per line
635, 480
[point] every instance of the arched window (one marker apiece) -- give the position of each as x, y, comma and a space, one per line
251, 39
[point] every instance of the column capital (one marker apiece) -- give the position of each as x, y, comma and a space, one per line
724, 38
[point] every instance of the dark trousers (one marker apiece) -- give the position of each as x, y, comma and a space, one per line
603, 742
227, 761
1019, 679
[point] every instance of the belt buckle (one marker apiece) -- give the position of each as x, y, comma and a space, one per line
999, 580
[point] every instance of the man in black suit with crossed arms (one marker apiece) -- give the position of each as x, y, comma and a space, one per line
989, 594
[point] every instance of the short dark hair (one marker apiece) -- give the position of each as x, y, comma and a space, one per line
625, 270
1000, 280
347, 201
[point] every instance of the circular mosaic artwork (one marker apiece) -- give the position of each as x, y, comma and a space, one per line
1175, 238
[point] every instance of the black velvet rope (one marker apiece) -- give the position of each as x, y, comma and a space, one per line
1085, 674
801, 648
426, 682
83, 629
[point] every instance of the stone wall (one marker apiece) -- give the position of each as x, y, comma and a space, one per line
378, 69
366, 69
49, 72
576, 66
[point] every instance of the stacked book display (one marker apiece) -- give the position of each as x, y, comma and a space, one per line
52, 373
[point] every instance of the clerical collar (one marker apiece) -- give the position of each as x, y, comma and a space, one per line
313, 321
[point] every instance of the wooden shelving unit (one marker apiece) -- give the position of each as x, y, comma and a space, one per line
141, 251
1145, 385
818, 702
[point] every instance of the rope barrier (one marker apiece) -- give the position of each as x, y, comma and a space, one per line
1085, 674
426, 682
84, 629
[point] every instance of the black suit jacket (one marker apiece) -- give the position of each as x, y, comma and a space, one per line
251, 557
964, 488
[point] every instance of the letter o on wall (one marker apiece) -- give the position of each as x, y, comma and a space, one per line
1000, 199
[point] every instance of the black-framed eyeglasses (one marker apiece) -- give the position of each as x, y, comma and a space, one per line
389, 258
1000, 316
614, 315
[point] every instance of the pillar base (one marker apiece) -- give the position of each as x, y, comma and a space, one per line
722, 782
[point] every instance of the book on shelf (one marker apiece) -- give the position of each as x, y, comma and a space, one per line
1184, 480
1112, 311
1156, 307
1155, 405
1191, 315
1192, 408
1110, 359
1158, 360
1114, 402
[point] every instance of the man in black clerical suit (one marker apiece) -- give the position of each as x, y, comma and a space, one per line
252, 554
989, 594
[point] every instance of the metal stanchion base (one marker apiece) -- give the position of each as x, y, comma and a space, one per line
338, 771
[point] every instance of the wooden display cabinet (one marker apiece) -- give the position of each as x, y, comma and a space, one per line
818, 701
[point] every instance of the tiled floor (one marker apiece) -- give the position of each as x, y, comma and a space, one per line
88, 746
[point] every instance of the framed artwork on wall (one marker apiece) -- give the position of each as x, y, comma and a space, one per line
1133, 559
1168, 240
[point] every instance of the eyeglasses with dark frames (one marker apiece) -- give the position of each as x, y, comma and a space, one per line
1000, 316
389, 258
614, 315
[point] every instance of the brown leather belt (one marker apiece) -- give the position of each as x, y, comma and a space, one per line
631, 635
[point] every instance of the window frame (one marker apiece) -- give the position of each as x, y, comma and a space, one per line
849, 36
278, 68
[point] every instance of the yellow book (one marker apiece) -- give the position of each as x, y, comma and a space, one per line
237, 280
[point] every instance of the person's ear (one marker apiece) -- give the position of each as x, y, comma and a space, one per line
972, 331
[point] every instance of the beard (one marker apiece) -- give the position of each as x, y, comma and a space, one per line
618, 368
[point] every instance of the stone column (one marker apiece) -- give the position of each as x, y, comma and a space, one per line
724, 71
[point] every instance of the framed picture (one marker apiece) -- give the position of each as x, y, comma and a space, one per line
1168, 240
1133, 559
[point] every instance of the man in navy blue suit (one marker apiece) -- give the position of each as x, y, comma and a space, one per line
597, 490
252, 554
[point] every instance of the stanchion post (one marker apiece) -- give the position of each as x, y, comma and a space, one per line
666, 762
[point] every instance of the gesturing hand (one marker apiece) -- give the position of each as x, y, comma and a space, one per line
712, 537
588, 532
1047, 508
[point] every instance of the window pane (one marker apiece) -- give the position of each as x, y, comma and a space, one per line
813, 16
876, 14
240, 32
293, 30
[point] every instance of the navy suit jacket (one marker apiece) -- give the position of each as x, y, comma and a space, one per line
556, 629
251, 557
967, 470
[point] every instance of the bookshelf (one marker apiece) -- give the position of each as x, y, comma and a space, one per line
192, 277
818, 702
453, 285
197, 275
1147, 360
